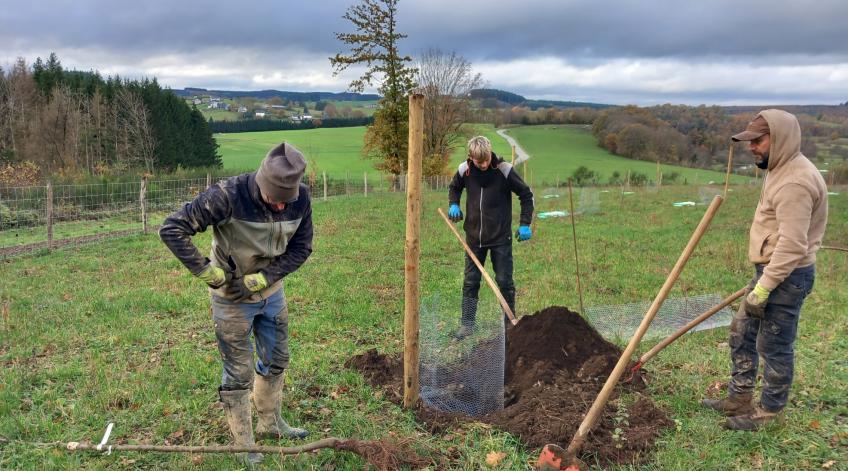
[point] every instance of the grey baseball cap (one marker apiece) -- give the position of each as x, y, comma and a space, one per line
280, 173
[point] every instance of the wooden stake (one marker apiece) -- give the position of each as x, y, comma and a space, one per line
365, 180
513, 155
324, 176
729, 164
142, 200
576, 258
483, 271
49, 215
412, 251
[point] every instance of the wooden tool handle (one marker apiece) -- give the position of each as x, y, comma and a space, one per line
479, 265
686, 328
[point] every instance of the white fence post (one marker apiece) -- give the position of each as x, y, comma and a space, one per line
324, 175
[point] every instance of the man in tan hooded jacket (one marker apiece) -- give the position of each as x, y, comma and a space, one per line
785, 235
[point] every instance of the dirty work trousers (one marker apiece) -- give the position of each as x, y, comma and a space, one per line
772, 338
268, 321
502, 263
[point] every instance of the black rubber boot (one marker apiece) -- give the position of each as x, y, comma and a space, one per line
469, 318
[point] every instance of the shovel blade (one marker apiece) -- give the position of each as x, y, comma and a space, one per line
555, 458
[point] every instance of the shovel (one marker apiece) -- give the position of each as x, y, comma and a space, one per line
479, 265
554, 457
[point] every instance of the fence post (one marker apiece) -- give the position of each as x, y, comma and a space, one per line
142, 199
347, 189
412, 254
324, 176
208, 179
366, 183
49, 215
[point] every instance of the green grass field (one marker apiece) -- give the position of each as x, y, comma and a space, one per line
333, 150
120, 332
556, 151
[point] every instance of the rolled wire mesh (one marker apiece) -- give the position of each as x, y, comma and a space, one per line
464, 376
618, 323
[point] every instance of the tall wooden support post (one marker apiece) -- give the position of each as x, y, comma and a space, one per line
208, 179
513, 155
324, 175
49, 216
729, 167
412, 250
365, 181
142, 199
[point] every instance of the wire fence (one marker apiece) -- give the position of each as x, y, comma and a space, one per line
45, 217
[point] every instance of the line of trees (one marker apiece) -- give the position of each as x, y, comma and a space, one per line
255, 125
69, 122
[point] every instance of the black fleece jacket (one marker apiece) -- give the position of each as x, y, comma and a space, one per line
488, 208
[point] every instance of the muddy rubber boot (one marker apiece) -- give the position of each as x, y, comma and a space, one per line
751, 422
469, 318
237, 408
738, 404
268, 398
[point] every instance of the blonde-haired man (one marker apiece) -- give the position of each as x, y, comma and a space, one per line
489, 183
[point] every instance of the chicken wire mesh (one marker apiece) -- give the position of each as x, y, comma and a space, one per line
617, 323
467, 375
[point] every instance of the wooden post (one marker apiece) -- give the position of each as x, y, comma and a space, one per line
513, 155
347, 188
412, 251
365, 180
659, 174
727, 175
208, 179
324, 175
576, 258
49, 215
142, 199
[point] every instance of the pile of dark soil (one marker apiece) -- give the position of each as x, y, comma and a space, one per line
555, 367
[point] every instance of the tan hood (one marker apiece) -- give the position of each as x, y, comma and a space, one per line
791, 216
785, 137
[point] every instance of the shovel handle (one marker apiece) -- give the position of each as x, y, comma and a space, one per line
686, 328
479, 265
612, 380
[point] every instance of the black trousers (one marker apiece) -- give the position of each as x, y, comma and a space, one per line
501, 256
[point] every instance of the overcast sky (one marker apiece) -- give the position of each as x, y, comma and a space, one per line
624, 52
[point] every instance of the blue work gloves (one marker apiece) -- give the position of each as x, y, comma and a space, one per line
454, 214
524, 233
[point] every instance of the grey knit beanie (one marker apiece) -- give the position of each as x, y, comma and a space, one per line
280, 173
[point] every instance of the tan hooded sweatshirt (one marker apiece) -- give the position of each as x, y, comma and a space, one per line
792, 213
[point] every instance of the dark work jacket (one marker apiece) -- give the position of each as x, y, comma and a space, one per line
247, 237
488, 207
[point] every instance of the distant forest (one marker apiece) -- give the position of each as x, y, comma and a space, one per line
68, 122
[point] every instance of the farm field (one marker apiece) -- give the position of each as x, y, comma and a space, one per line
120, 332
333, 150
560, 149
557, 151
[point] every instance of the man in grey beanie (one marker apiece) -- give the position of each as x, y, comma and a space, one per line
261, 232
